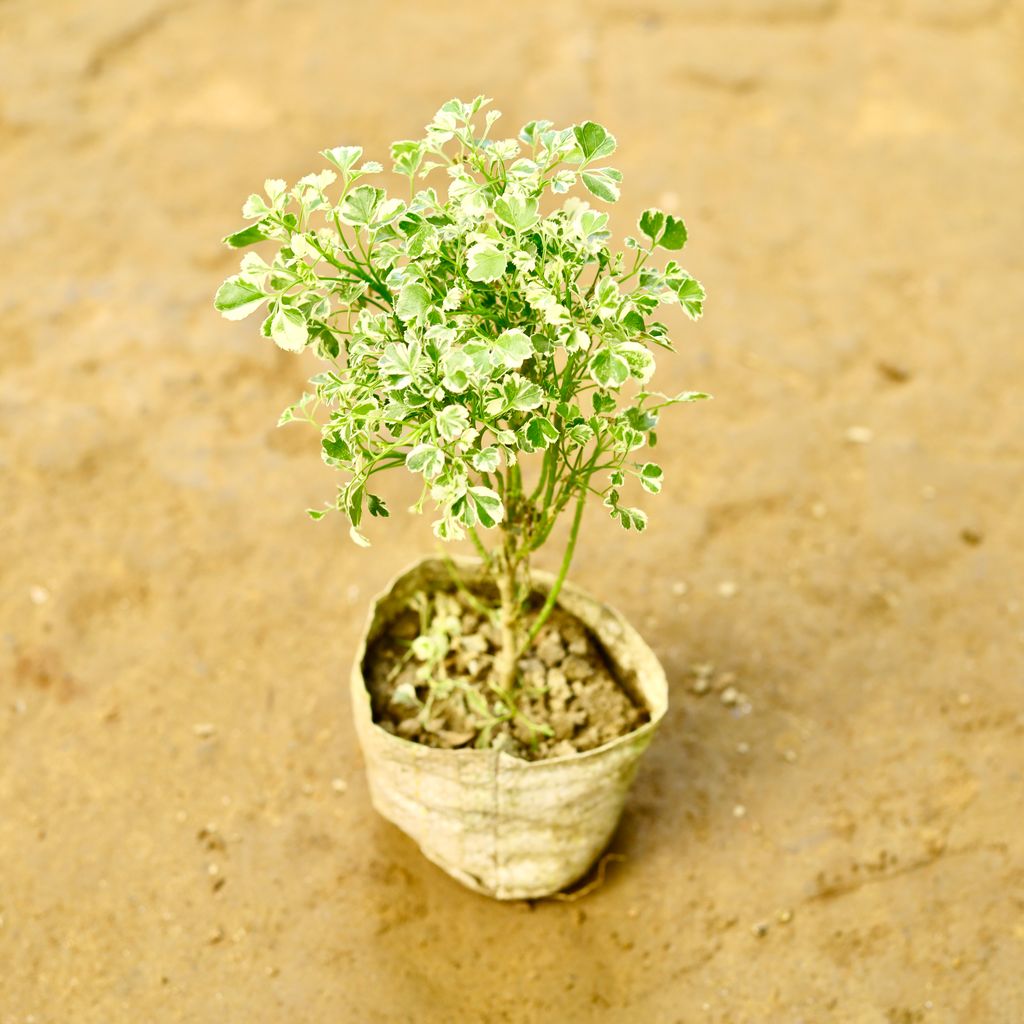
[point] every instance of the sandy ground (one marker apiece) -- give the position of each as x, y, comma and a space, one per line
175, 634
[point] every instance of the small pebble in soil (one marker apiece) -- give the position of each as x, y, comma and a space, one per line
784, 916
700, 685
38, 594
760, 929
819, 510
963, 699
728, 588
729, 696
859, 434
742, 747
739, 811
339, 785
789, 755
204, 730
893, 371
679, 588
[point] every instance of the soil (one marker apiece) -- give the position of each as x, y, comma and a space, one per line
185, 831
568, 699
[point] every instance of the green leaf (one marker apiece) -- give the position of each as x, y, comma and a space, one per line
451, 421
593, 227
413, 301
407, 156
607, 298
336, 448
691, 296
275, 189
400, 363
247, 236
353, 502
486, 461
651, 223
376, 506
640, 419
663, 229
651, 476
687, 396
485, 262
562, 181
236, 298
640, 360
517, 212
603, 183
608, 369
594, 141
540, 432
628, 518
580, 433
255, 207
631, 518
359, 206
511, 349
487, 506
317, 513
458, 367
447, 529
675, 233
522, 395
343, 157
427, 459
603, 403
634, 321
288, 329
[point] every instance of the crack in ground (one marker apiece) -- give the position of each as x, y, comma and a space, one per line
839, 889
124, 41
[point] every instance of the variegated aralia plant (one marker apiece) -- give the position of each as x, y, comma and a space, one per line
480, 332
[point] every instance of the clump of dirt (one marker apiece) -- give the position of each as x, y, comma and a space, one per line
443, 692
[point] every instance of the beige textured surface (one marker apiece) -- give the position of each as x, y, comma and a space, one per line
508, 828
850, 171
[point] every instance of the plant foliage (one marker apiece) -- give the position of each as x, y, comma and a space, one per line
477, 320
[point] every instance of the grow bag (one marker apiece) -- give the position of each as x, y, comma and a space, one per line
505, 827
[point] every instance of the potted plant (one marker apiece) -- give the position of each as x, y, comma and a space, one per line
480, 333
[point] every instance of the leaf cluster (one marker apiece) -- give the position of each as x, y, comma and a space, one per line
478, 319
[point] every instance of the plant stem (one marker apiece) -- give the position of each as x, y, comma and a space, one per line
485, 555
507, 662
556, 587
